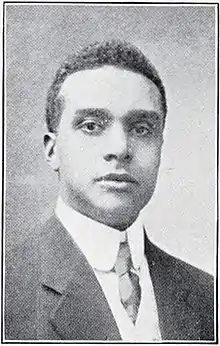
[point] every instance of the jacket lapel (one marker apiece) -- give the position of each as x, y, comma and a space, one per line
82, 312
176, 302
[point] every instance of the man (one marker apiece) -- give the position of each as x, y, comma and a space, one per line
93, 274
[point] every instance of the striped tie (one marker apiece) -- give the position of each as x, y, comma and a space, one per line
129, 288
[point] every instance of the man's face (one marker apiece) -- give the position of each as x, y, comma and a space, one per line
109, 143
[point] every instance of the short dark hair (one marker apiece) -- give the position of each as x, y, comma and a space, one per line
117, 53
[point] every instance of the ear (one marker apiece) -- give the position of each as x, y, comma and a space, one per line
51, 152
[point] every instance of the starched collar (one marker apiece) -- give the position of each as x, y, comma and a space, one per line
98, 242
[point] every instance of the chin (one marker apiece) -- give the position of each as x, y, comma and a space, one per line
118, 215
114, 203
121, 220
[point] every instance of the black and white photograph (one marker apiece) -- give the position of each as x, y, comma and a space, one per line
110, 172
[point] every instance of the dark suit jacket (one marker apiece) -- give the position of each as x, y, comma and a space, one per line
52, 293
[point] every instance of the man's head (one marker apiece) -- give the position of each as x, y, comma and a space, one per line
105, 114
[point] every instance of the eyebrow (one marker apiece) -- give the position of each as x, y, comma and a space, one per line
143, 114
82, 113
95, 112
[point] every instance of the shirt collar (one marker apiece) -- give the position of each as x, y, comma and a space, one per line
98, 242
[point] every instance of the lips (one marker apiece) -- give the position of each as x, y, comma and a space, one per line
124, 177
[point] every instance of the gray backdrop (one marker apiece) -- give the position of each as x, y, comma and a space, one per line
181, 43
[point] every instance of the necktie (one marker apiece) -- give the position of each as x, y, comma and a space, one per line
129, 288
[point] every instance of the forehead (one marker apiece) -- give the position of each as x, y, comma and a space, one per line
110, 87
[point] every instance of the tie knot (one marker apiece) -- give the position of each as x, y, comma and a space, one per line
123, 263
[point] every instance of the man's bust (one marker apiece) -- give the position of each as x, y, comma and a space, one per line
92, 273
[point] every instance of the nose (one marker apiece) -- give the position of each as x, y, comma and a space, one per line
117, 145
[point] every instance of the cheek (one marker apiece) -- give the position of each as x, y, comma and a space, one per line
77, 156
147, 171
149, 157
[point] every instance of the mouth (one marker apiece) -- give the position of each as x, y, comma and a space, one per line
114, 181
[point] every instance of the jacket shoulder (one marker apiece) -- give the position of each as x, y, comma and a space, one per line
198, 283
26, 299
22, 272
193, 275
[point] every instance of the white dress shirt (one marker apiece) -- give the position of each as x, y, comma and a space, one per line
100, 244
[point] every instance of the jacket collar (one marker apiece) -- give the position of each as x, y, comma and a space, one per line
83, 305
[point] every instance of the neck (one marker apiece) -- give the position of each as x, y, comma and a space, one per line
108, 218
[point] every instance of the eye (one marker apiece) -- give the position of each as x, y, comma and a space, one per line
91, 127
140, 130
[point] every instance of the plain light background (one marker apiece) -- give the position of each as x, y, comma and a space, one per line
180, 41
